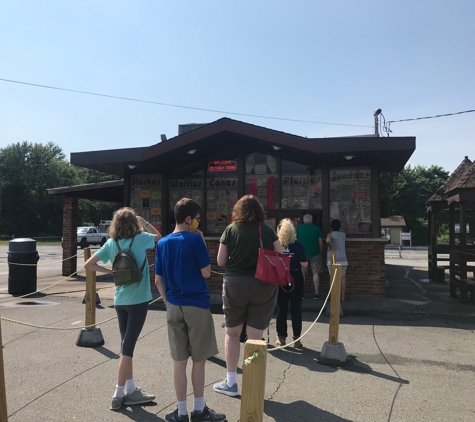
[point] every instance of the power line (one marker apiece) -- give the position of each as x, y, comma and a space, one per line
177, 105
430, 117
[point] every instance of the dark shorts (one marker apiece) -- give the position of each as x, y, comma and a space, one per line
245, 298
131, 320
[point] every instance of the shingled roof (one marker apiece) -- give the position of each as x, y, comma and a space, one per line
454, 179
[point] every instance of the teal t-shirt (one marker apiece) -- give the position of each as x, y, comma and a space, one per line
243, 245
309, 235
131, 294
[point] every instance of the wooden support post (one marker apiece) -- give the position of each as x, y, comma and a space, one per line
90, 293
335, 304
3, 393
92, 336
254, 381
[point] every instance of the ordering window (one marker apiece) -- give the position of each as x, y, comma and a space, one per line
186, 182
350, 199
262, 178
301, 186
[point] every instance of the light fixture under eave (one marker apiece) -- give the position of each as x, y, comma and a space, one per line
191, 151
276, 147
348, 157
131, 166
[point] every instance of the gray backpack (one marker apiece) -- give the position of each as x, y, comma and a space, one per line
124, 268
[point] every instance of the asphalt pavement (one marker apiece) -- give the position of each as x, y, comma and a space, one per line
410, 355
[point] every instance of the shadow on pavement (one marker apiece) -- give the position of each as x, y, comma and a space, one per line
140, 413
299, 411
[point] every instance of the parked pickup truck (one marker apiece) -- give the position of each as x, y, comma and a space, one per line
90, 236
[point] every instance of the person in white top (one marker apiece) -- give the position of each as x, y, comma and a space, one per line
336, 242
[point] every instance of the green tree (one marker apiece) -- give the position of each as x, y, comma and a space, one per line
26, 171
408, 191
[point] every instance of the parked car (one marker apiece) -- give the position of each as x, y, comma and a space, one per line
90, 236
471, 241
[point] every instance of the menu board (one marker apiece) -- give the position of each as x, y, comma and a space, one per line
262, 179
185, 188
350, 199
146, 198
221, 195
301, 191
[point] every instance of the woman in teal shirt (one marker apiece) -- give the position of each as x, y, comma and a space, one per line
130, 300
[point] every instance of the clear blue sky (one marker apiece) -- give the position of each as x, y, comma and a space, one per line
322, 61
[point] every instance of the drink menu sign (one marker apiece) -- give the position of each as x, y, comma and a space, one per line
350, 199
146, 197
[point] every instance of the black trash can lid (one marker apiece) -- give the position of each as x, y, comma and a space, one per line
22, 245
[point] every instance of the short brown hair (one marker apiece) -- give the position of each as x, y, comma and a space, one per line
248, 210
186, 207
124, 224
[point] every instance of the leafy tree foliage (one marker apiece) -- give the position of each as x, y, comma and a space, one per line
26, 171
408, 191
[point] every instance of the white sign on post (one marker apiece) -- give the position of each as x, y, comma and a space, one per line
405, 236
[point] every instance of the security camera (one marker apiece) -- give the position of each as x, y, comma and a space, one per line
377, 112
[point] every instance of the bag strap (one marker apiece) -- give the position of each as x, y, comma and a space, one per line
260, 235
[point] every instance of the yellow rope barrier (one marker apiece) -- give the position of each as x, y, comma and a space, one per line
43, 289
249, 360
66, 328
311, 326
43, 263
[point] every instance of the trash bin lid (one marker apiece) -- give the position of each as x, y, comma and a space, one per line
22, 245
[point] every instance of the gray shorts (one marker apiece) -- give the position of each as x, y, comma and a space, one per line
343, 269
245, 298
315, 263
191, 333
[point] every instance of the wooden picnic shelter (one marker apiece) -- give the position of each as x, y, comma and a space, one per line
457, 196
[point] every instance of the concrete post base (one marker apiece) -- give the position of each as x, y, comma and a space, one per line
90, 338
98, 299
333, 354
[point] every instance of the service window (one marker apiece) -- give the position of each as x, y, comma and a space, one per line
350, 199
221, 193
262, 178
146, 198
301, 186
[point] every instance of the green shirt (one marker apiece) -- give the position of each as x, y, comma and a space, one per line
243, 243
309, 235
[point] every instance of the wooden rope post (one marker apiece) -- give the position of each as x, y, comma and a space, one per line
3, 393
92, 335
335, 304
90, 293
253, 381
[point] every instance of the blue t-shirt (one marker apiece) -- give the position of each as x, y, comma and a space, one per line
131, 294
179, 259
297, 253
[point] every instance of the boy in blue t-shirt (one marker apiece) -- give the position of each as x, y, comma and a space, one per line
182, 264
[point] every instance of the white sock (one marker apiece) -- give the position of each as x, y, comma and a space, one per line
130, 386
119, 391
198, 404
231, 378
182, 410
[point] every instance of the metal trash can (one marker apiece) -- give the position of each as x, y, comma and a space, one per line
22, 278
